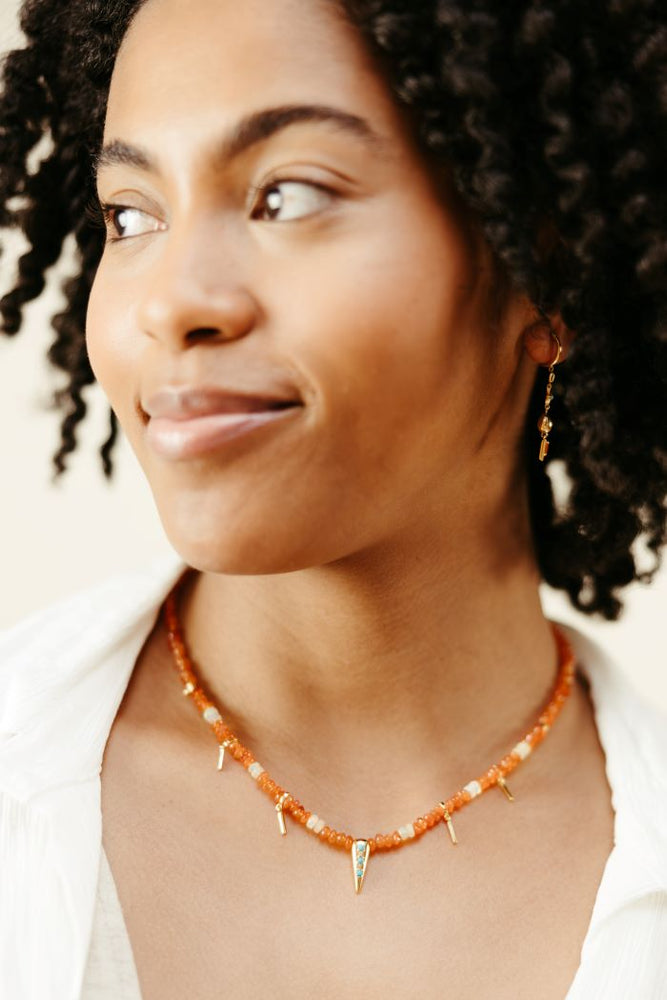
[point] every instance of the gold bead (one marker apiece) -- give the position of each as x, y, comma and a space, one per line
544, 424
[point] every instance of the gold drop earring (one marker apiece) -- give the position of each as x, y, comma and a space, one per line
544, 424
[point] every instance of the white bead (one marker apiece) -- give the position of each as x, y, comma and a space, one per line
406, 831
211, 714
473, 788
523, 749
319, 826
255, 769
312, 820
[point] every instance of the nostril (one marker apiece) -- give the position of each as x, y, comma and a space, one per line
283, 404
203, 332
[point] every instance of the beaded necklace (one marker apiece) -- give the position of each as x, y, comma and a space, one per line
361, 848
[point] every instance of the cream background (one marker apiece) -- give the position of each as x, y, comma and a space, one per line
56, 539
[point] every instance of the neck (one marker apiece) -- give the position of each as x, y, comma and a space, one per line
430, 656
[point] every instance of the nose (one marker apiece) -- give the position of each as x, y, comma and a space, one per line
190, 295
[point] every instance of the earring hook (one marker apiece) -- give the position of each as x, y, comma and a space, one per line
559, 350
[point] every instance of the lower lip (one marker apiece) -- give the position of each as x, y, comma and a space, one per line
180, 439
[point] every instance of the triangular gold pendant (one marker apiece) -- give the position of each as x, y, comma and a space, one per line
360, 853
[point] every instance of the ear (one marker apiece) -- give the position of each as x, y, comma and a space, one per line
538, 342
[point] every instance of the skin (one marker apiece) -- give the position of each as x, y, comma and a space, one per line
366, 608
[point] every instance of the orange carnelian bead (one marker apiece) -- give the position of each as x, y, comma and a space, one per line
324, 833
396, 837
340, 840
349, 840
332, 836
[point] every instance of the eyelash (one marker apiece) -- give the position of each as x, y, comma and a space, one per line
101, 214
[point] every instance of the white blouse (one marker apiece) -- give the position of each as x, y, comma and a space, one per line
63, 673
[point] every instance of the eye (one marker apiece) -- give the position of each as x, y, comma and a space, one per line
126, 221
287, 200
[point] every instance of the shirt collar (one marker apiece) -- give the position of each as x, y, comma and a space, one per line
64, 671
633, 736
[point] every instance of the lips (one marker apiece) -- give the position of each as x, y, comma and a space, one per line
189, 422
187, 402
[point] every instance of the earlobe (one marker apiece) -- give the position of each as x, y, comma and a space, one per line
539, 343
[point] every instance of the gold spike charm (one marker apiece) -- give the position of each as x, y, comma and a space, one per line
360, 854
503, 785
189, 688
221, 754
279, 809
447, 819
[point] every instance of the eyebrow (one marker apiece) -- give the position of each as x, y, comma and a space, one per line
249, 131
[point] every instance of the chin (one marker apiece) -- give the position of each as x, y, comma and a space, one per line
266, 532
242, 553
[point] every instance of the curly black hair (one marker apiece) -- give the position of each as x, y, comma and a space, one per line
549, 116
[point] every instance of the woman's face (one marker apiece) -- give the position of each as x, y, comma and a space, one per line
301, 256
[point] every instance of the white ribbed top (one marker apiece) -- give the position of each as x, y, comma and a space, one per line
110, 970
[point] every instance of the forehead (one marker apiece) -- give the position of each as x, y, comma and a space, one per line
207, 62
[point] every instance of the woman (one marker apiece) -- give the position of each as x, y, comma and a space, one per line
336, 262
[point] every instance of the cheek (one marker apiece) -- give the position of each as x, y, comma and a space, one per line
111, 347
383, 324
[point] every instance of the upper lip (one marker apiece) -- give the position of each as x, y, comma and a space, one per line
187, 402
